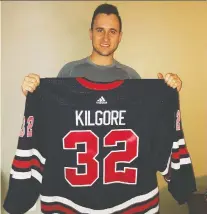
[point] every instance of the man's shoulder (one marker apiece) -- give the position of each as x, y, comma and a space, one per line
75, 62
130, 71
68, 67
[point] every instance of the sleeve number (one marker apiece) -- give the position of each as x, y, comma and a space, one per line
30, 123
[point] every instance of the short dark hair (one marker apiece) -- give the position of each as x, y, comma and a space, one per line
106, 9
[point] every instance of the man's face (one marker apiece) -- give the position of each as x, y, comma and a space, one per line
105, 34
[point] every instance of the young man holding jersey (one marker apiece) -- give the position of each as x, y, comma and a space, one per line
105, 34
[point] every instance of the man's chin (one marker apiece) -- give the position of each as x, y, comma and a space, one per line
104, 53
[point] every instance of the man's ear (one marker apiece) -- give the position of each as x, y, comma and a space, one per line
120, 36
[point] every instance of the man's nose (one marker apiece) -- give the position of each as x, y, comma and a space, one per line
106, 36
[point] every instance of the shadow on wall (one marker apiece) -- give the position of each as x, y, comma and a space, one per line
4, 188
169, 206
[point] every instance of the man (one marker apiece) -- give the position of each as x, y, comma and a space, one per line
105, 34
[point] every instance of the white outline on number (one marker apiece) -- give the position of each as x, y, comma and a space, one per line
77, 155
116, 142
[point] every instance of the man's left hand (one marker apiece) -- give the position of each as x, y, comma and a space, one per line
172, 80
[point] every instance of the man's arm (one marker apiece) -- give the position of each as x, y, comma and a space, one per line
171, 80
31, 81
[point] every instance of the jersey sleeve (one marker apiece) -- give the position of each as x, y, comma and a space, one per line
28, 163
172, 156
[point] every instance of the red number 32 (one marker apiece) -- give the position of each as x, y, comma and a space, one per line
88, 158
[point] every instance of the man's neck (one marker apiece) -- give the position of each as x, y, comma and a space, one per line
101, 60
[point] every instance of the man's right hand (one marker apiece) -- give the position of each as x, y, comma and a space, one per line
30, 83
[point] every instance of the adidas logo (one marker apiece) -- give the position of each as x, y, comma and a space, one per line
101, 100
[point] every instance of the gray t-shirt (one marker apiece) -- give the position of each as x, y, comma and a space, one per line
86, 68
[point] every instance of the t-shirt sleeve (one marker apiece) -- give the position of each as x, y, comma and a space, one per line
133, 74
65, 71
28, 163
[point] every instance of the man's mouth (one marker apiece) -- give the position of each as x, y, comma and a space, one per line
105, 45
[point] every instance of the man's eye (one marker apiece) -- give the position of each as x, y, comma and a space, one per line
113, 31
99, 30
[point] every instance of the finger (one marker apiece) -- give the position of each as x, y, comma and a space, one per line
169, 81
160, 76
29, 85
174, 85
179, 86
173, 81
31, 80
28, 88
32, 85
33, 75
36, 77
167, 77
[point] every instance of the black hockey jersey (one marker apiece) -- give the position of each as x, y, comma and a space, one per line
87, 147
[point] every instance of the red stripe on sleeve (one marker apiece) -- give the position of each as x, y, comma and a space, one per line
181, 151
56, 207
27, 164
